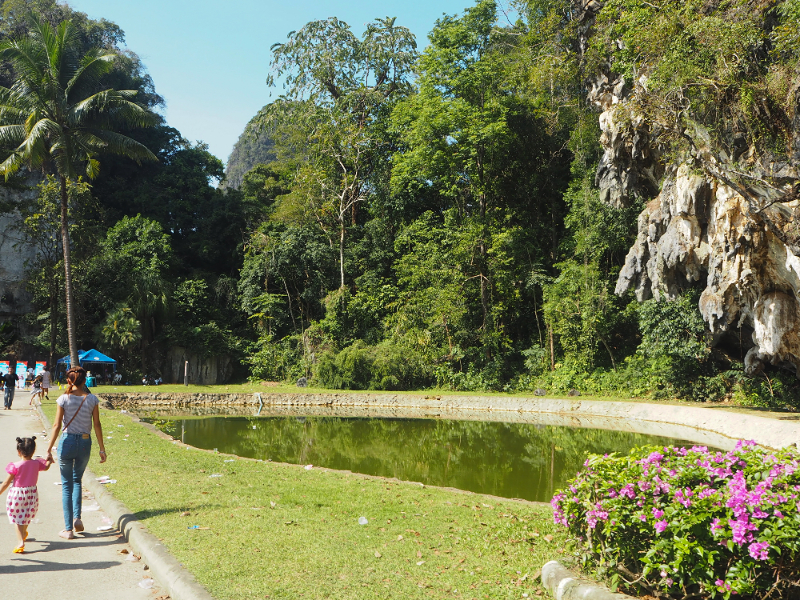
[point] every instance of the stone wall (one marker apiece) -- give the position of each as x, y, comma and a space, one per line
202, 371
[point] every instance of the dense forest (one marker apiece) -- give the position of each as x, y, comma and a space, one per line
448, 214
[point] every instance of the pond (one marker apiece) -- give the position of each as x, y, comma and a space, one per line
511, 460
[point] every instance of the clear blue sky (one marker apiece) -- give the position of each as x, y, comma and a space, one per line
210, 59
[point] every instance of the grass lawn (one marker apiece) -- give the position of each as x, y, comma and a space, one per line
279, 531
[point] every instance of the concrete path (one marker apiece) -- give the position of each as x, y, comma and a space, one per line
90, 567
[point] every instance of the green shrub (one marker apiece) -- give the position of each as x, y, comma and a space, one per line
386, 366
689, 523
282, 360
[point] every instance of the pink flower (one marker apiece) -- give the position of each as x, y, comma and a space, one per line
758, 550
661, 526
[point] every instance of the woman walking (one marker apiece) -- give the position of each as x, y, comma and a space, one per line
78, 411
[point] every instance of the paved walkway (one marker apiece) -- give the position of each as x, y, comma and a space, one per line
90, 567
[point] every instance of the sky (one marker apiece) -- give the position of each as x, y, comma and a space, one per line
209, 59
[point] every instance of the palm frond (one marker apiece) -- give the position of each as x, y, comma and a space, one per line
122, 145
111, 108
92, 66
11, 165
12, 134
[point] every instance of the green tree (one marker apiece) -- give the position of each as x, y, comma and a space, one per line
41, 225
456, 132
135, 257
121, 329
337, 87
57, 117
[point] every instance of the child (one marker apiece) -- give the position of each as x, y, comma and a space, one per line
23, 497
36, 390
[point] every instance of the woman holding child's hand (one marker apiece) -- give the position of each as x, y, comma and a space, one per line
78, 411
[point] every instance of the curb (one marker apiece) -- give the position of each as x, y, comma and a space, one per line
563, 584
165, 568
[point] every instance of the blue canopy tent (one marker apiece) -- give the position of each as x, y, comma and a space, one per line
101, 366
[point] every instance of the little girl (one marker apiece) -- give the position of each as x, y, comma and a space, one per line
36, 390
23, 498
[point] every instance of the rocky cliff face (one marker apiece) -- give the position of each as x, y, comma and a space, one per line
15, 254
722, 218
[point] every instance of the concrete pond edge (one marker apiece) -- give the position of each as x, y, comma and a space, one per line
563, 584
725, 426
170, 574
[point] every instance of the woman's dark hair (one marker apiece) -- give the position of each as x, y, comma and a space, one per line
26, 446
76, 377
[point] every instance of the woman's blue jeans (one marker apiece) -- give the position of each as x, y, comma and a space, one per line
73, 456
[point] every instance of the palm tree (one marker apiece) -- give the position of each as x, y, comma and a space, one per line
57, 118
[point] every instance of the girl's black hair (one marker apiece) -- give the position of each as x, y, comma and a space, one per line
26, 446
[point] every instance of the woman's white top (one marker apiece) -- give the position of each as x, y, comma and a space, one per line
83, 420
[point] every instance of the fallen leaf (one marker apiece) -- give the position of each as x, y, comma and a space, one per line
548, 538
377, 554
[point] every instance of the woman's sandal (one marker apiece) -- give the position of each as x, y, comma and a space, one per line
77, 525
19, 549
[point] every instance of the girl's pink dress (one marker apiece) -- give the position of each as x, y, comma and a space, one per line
23, 498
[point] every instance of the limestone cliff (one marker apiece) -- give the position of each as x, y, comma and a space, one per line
15, 254
720, 215
722, 218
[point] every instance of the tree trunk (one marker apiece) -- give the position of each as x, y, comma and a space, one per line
341, 253
53, 318
484, 271
73, 343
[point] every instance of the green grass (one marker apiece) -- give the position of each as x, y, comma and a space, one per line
280, 531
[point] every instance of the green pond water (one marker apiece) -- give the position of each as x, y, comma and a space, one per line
512, 460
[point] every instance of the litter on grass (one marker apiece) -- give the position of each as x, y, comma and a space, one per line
362, 520
103, 477
308, 467
216, 475
229, 460
109, 481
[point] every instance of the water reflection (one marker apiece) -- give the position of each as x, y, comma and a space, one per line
512, 460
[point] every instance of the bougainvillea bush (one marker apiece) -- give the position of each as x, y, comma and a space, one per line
689, 523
